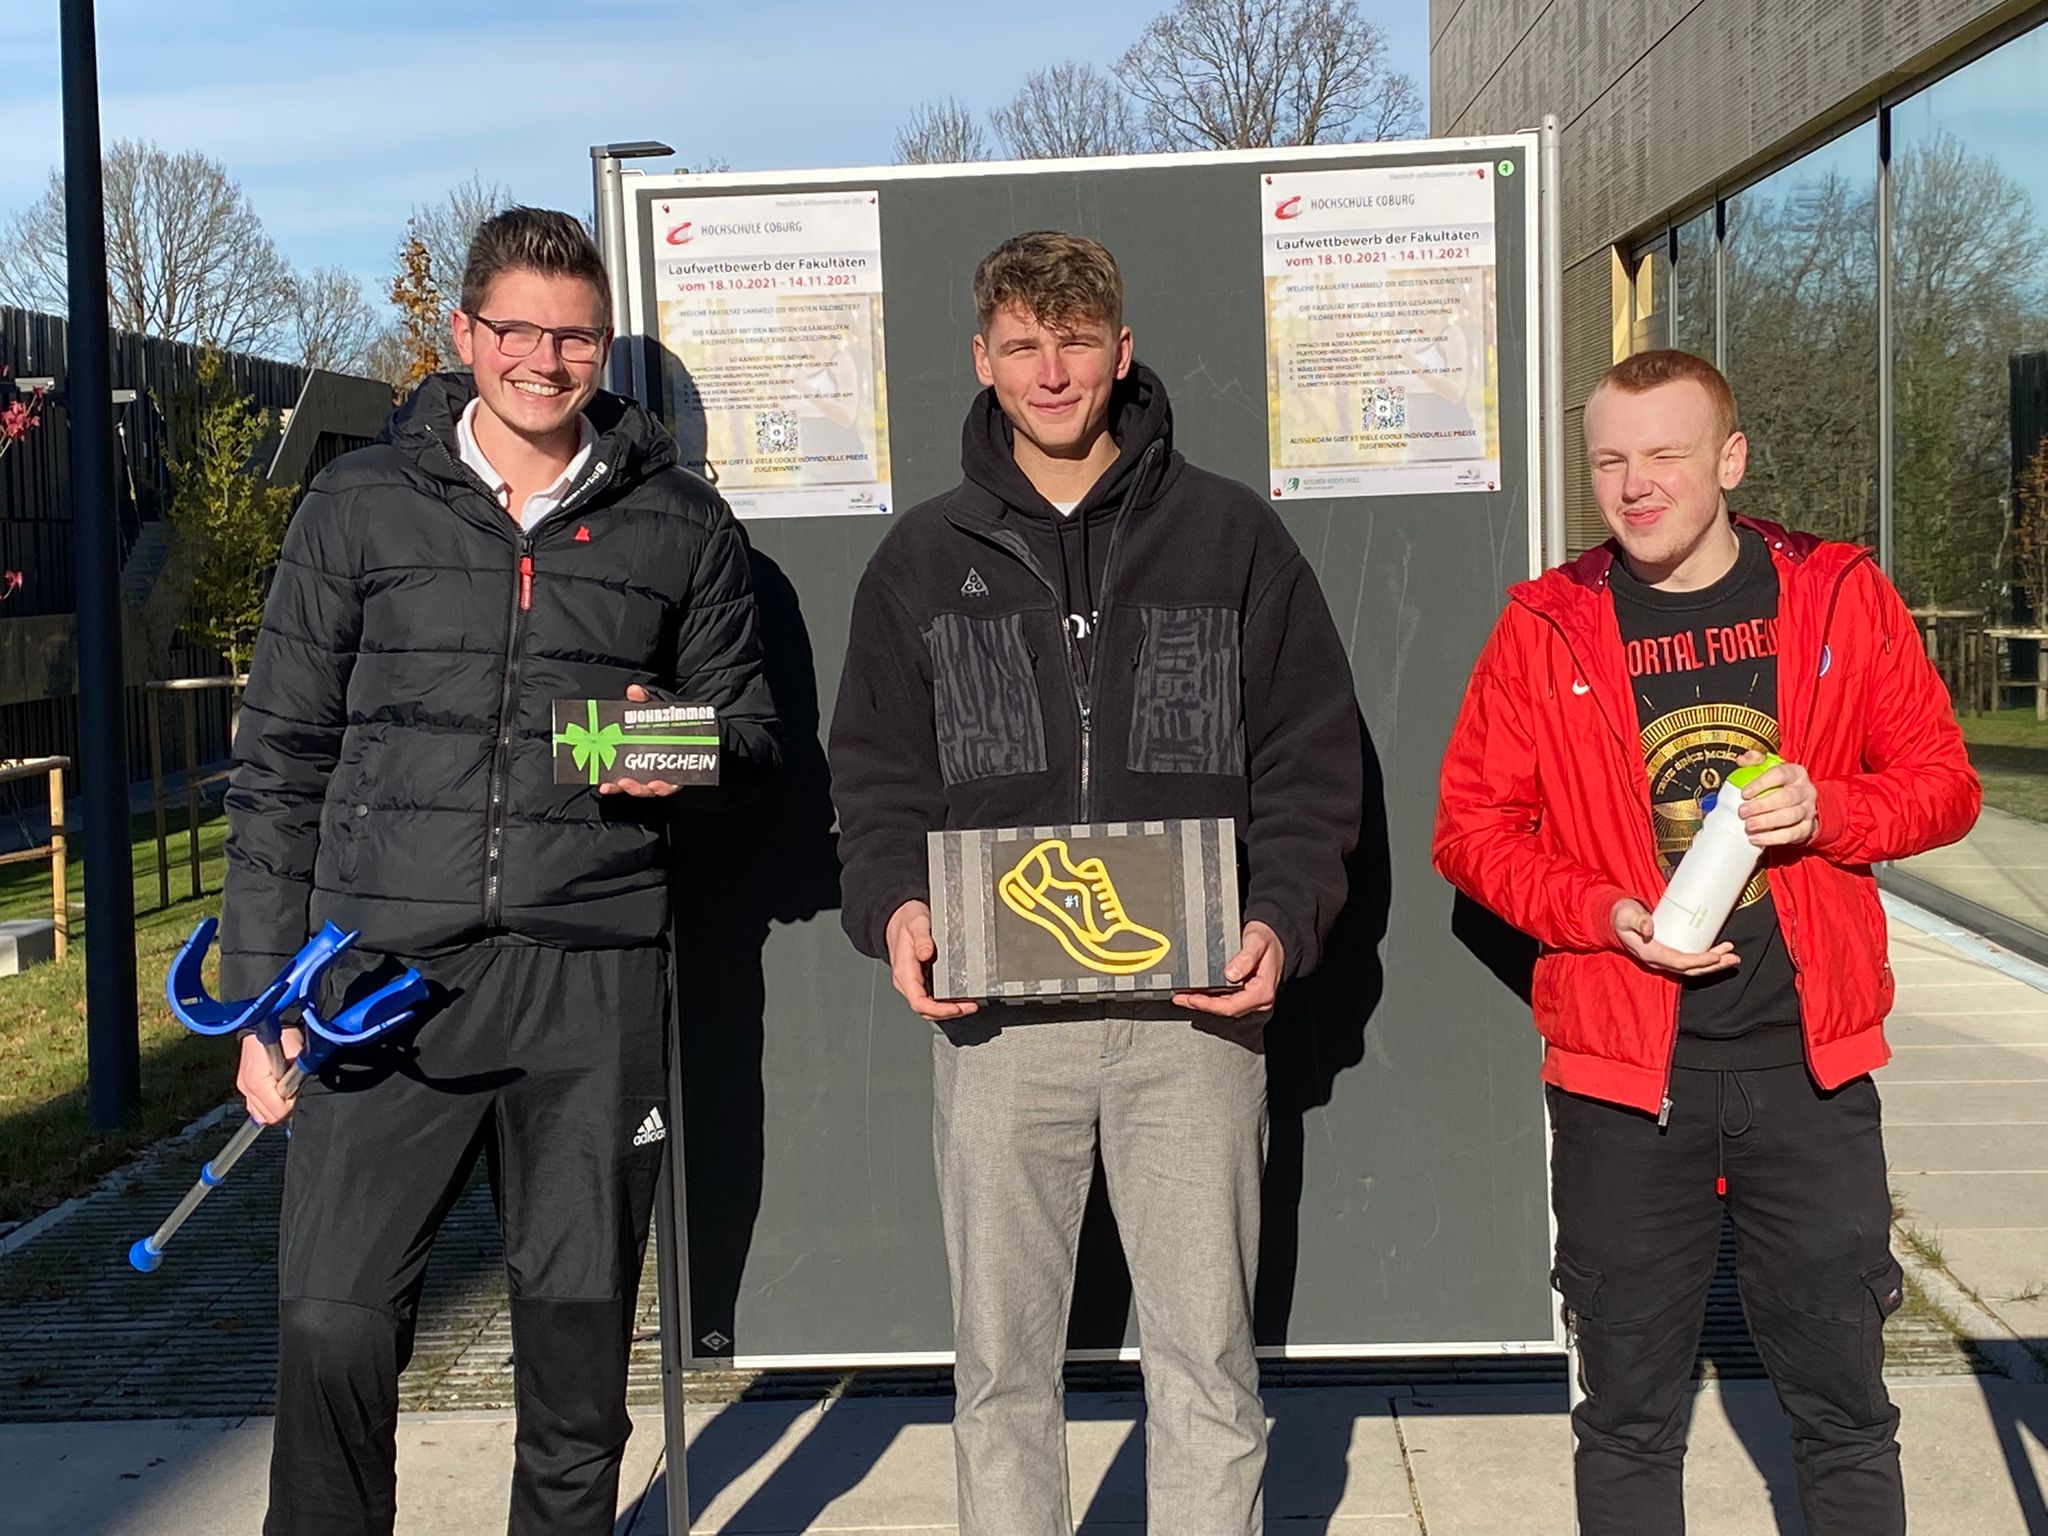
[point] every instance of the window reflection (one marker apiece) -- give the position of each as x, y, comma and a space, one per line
1692, 287
1796, 276
1800, 266
1969, 295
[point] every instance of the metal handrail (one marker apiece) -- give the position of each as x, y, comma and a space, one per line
189, 689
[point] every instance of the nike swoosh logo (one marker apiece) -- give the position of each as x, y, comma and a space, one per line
1579, 687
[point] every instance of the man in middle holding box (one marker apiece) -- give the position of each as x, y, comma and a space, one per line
1089, 629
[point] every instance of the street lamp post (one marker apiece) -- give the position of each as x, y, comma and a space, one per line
113, 1062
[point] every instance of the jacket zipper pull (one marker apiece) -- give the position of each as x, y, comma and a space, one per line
1664, 1113
525, 582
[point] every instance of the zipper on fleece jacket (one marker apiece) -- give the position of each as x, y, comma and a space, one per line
1081, 678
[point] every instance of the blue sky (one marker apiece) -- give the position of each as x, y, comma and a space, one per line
338, 118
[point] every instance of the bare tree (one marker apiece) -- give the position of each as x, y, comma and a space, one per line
187, 257
446, 228
1070, 109
940, 133
1248, 74
332, 321
386, 358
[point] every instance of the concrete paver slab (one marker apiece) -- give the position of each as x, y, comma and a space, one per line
1939, 1201
1973, 1147
1969, 1064
871, 1464
1974, 1462
209, 1477
1490, 1464
2008, 1268
197, 1477
1924, 1103
1485, 1463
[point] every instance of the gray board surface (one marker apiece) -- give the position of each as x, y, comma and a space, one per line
1407, 1202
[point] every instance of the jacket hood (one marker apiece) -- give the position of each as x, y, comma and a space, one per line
628, 436
1140, 419
1570, 593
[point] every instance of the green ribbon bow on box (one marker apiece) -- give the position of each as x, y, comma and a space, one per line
596, 747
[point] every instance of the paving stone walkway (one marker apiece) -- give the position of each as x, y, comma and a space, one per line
83, 1336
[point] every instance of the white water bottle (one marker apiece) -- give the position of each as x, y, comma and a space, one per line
1710, 878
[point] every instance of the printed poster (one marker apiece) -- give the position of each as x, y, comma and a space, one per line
1382, 354
769, 311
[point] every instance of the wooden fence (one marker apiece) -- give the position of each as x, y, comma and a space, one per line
35, 515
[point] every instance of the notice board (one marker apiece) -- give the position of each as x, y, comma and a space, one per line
1407, 1205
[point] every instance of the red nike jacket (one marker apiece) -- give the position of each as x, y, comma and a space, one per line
1544, 809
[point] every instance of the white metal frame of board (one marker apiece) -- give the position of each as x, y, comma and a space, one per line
624, 216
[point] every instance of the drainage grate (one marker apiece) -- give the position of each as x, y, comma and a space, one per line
84, 1336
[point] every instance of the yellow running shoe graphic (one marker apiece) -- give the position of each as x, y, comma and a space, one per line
1078, 905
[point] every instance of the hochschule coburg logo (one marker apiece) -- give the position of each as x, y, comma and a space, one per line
1289, 208
682, 234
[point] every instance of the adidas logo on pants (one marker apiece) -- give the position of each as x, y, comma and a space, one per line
652, 1129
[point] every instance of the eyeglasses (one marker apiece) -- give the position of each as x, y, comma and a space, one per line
519, 338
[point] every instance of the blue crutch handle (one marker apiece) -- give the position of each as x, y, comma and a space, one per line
363, 1020
295, 987
302, 978
185, 985
185, 990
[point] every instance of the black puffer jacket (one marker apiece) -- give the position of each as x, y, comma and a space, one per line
1214, 683
393, 765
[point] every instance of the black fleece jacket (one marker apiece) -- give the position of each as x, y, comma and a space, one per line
1214, 683
394, 761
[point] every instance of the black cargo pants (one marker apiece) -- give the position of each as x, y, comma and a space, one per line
1638, 1226
550, 1064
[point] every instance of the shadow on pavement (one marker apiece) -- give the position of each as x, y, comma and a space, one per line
2018, 1415
1308, 1471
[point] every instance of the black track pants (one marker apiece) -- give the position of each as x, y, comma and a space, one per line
1638, 1226
548, 1063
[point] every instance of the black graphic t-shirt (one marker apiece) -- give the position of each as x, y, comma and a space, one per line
1703, 667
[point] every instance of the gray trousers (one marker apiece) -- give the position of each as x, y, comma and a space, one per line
1181, 1114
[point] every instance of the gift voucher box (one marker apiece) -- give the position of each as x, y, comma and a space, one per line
1135, 908
600, 741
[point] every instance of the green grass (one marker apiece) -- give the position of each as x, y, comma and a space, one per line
1924, 1246
2015, 792
2010, 752
48, 1150
2014, 727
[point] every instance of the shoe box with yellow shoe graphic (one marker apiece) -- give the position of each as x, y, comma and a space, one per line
1141, 909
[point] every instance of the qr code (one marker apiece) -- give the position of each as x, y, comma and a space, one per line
775, 432
1385, 408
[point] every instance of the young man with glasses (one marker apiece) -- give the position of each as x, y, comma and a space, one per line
515, 536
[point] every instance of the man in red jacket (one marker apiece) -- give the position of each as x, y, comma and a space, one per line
1616, 693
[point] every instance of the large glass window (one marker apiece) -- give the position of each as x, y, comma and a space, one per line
1788, 291
1968, 200
1799, 262
1692, 286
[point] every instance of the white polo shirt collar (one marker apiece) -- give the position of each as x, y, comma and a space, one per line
540, 503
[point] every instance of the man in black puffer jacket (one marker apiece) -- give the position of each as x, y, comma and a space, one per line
515, 537
1090, 629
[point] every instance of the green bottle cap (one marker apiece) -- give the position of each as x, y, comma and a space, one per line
1742, 777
